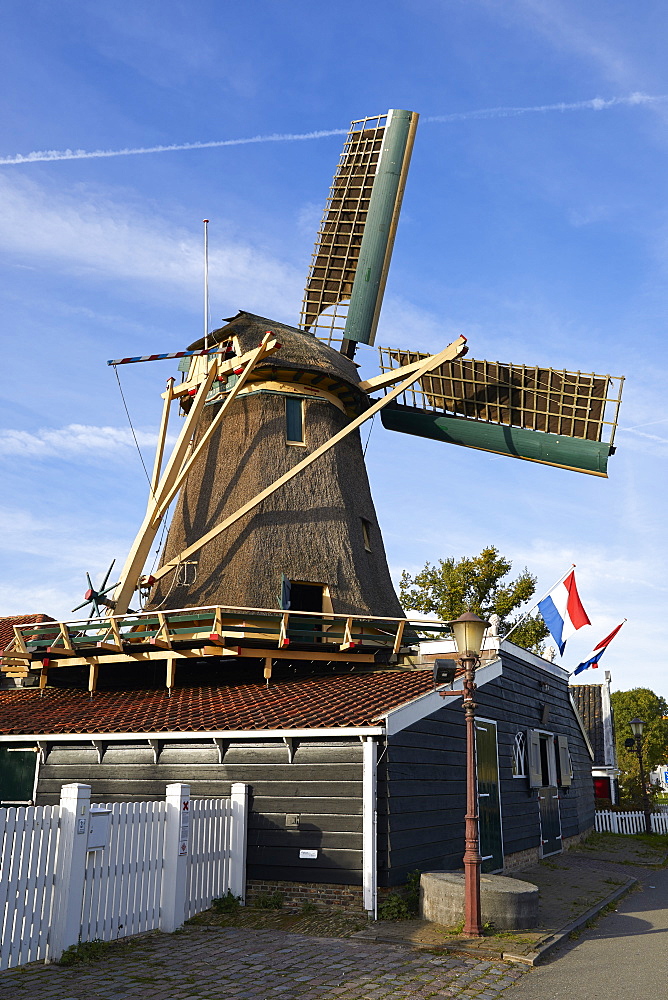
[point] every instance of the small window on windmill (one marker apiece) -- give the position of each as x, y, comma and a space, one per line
187, 574
294, 420
366, 533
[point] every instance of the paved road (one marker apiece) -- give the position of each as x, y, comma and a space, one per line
241, 964
622, 958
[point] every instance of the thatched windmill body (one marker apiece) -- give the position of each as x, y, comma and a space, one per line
274, 508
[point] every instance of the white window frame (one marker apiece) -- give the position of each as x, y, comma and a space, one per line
520, 754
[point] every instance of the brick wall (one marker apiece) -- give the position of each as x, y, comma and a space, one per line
295, 894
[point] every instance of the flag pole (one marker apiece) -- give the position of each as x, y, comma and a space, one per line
534, 606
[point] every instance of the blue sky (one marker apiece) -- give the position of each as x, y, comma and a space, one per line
535, 222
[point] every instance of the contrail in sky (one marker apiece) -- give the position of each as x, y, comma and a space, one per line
596, 104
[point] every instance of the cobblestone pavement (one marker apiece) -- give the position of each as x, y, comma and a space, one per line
217, 964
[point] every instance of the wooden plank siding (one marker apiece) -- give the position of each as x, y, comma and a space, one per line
323, 785
421, 778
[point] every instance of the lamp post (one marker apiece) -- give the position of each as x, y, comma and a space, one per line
637, 726
469, 631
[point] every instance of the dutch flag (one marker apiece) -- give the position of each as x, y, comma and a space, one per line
562, 611
598, 651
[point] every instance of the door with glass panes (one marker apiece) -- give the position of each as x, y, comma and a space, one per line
489, 801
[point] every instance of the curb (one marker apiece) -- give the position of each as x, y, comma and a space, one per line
552, 941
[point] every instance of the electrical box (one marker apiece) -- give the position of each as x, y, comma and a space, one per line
99, 825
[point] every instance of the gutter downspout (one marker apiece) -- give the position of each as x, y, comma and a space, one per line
369, 827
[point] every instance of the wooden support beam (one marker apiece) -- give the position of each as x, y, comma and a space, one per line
178, 466
167, 495
347, 636
168, 396
388, 378
93, 672
171, 673
65, 636
399, 637
163, 639
146, 535
450, 352
44, 675
267, 668
283, 638
305, 654
19, 641
224, 368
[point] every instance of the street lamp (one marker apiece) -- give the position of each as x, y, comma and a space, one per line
469, 630
637, 726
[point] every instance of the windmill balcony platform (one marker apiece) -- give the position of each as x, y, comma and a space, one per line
222, 632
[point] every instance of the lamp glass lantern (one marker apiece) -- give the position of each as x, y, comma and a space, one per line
637, 726
469, 631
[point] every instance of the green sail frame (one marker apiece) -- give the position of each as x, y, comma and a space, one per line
575, 454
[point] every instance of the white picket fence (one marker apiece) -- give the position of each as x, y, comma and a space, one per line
160, 863
629, 822
29, 844
128, 902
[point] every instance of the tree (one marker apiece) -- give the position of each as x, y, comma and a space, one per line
476, 584
644, 704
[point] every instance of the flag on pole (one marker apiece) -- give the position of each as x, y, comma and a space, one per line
598, 651
562, 611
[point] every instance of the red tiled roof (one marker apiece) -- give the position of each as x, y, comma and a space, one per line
7, 626
311, 702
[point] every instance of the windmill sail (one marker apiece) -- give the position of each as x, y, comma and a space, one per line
349, 266
561, 418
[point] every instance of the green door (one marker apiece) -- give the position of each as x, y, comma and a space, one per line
550, 820
489, 805
17, 776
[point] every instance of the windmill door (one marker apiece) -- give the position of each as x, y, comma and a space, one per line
305, 597
489, 803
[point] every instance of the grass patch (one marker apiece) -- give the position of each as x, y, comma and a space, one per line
87, 952
268, 901
228, 903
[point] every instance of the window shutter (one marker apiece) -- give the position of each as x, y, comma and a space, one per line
564, 760
285, 593
535, 769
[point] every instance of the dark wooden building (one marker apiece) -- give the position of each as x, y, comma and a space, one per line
356, 778
595, 707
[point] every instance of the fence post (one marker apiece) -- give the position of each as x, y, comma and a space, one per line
175, 868
239, 808
70, 869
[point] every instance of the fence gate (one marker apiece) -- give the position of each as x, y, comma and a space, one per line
69, 873
29, 841
123, 881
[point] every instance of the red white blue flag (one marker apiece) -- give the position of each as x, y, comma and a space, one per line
562, 611
598, 651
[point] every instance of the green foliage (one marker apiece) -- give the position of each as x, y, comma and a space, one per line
268, 901
642, 703
307, 908
228, 903
476, 584
404, 906
84, 952
394, 907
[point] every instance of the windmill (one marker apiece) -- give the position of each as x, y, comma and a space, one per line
274, 508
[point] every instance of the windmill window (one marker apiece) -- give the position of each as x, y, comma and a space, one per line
520, 755
366, 533
294, 420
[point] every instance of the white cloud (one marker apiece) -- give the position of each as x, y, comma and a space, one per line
73, 441
88, 232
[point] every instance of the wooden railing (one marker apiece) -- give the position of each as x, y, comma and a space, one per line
213, 631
